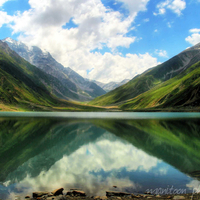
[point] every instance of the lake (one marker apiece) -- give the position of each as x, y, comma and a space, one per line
137, 152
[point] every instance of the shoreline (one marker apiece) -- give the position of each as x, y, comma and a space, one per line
77, 194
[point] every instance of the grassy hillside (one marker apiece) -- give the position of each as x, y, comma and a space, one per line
179, 92
25, 87
150, 78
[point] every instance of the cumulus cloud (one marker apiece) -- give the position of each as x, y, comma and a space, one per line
97, 27
2, 2
161, 53
4, 18
176, 6
134, 6
194, 38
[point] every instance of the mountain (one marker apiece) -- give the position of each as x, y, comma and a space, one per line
151, 78
26, 87
182, 91
111, 85
72, 85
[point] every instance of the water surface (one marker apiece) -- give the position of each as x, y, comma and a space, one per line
94, 151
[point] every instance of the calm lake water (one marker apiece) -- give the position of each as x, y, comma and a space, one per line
136, 152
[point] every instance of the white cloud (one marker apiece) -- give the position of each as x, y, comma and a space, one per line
161, 53
2, 2
108, 67
146, 20
134, 6
4, 18
194, 38
97, 27
177, 6
194, 30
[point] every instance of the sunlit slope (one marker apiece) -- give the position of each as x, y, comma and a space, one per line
25, 87
151, 78
12, 59
182, 91
17, 85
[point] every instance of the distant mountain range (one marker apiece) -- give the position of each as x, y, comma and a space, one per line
67, 83
111, 85
172, 84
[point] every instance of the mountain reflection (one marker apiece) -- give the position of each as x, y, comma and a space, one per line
44, 154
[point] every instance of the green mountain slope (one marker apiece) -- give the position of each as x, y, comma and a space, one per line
25, 87
71, 84
151, 78
182, 91
52, 84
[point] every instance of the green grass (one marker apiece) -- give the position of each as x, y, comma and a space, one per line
181, 91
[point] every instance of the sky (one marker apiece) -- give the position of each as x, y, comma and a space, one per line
104, 40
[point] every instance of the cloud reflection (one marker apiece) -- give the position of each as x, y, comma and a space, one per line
93, 167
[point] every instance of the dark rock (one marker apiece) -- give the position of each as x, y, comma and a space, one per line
75, 189
114, 193
27, 197
78, 193
57, 192
69, 193
39, 194
114, 186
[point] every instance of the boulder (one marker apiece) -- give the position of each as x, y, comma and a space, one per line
39, 194
78, 193
69, 193
57, 192
114, 193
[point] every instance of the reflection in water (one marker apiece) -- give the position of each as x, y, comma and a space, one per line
136, 155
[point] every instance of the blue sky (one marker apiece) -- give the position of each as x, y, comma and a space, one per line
105, 40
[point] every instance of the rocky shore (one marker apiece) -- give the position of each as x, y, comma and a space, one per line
77, 194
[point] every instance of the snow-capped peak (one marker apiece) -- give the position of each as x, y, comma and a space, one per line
10, 40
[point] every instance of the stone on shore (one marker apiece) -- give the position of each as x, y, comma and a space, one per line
57, 192
178, 197
78, 193
39, 194
114, 193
